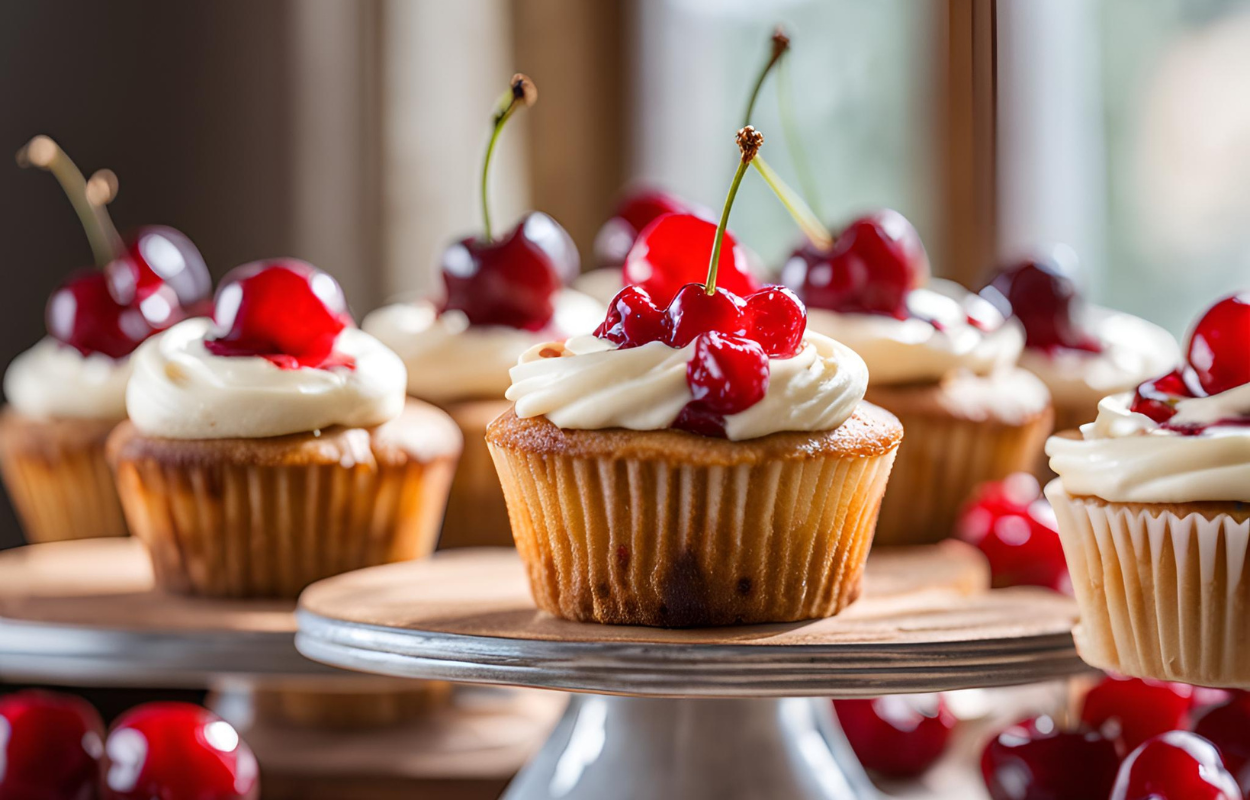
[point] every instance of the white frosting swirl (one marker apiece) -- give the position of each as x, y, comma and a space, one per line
55, 380
180, 390
593, 385
449, 359
1126, 457
916, 351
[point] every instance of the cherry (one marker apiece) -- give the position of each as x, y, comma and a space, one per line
778, 320
1132, 710
672, 252
1036, 760
1227, 726
635, 211
1015, 528
284, 310
693, 311
177, 751
727, 374
901, 735
1219, 347
82, 313
633, 319
158, 255
1157, 398
50, 745
1176, 765
870, 269
1045, 301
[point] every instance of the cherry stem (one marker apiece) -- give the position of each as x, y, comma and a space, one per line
815, 230
794, 143
521, 93
749, 142
781, 43
44, 153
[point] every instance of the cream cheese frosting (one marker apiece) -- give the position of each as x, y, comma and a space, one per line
915, 350
53, 380
1127, 457
179, 390
589, 384
448, 359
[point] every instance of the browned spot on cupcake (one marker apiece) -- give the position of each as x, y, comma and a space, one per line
744, 586
622, 557
685, 594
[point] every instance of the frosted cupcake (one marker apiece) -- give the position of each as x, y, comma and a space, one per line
272, 447
1153, 503
941, 358
501, 296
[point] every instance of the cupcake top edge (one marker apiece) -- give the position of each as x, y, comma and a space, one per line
51, 380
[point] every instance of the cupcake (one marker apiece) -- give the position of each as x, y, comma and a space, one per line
708, 462
1081, 352
942, 359
501, 296
67, 393
272, 447
1153, 504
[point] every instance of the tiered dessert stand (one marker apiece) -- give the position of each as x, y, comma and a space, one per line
694, 714
85, 613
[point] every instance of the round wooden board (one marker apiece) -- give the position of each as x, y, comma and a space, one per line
926, 623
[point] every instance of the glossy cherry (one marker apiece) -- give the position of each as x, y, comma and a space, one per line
1046, 302
83, 314
1157, 398
636, 210
1227, 726
50, 746
1013, 525
159, 255
693, 312
1036, 760
901, 735
633, 319
726, 375
1219, 347
1132, 710
778, 320
673, 252
285, 310
1176, 765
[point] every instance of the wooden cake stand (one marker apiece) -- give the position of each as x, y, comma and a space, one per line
735, 725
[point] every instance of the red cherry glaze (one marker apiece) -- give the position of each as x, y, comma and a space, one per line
870, 269
633, 319
50, 745
693, 312
511, 281
1132, 710
83, 314
900, 736
1219, 347
1175, 766
1227, 726
159, 255
1014, 527
1035, 760
284, 310
177, 751
637, 209
674, 250
1045, 301
778, 320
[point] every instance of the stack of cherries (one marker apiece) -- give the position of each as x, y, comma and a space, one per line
54, 747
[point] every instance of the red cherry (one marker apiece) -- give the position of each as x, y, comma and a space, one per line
82, 313
1045, 301
778, 320
50, 745
636, 210
511, 281
674, 250
1227, 726
1035, 760
1219, 347
177, 751
1156, 398
1176, 765
901, 735
284, 310
726, 375
1132, 710
1015, 528
159, 255
633, 319
693, 311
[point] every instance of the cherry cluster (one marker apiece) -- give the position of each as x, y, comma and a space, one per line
1045, 300
1013, 525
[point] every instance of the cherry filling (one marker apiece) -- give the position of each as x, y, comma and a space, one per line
672, 251
286, 311
1045, 300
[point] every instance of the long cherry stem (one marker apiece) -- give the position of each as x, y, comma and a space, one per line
44, 153
521, 93
749, 142
815, 230
781, 43
794, 142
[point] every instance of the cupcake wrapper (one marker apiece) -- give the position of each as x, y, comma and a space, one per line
645, 542
477, 515
1162, 595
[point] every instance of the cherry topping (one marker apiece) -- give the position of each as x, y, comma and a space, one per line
672, 252
1036, 760
900, 735
1045, 301
693, 311
726, 375
50, 745
1157, 398
1176, 765
1132, 710
633, 319
178, 751
158, 255
778, 320
636, 210
1219, 347
83, 314
284, 310
1227, 726
1013, 525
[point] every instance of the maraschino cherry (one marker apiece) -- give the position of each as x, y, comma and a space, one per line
669, 253
1037, 760
1176, 765
1011, 523
50, 746
1044, 298
1132, 710
1227, 726
513, 280
636, 209
900, 735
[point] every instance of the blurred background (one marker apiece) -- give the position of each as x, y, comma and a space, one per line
349, 132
